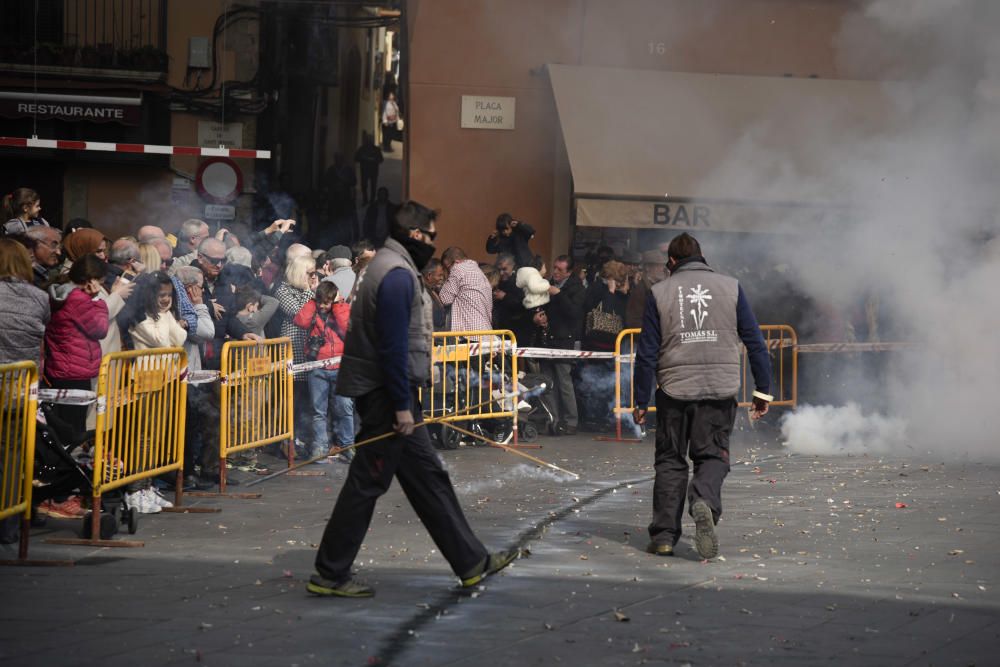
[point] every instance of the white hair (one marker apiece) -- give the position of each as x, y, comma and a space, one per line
296, 250
239, 255
189, 275
297, 272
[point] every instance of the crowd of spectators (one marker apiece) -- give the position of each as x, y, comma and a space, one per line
70, 298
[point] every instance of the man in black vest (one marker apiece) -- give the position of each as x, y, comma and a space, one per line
691, 334
387, 357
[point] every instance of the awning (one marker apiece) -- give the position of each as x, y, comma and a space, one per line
676, 150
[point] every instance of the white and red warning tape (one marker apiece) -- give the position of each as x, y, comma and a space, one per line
83, 397
152, 149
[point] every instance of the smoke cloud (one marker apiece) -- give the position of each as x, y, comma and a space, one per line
845, 430
919, 247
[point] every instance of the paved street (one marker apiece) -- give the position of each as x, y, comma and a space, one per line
818, 564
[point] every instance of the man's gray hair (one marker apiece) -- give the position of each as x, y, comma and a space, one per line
506, 257
190, 228
190, 275
40, 233
239, 255
123, 251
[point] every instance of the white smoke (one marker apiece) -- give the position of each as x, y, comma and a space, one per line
513, 476
924, 236
826, 430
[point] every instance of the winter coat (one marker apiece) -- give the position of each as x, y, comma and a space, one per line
611, 303
325, 328
536, 288
164, 331
112, 342
24, 313
516, 244
290, 302
565, 311
255, 322
73, 337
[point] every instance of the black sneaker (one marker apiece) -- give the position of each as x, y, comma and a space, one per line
192, 483
705, 540
349, 588
490, 565
660, 549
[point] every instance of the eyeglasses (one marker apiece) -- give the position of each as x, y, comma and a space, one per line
310, 273
429, 234
55, 245
214, 261
167, 263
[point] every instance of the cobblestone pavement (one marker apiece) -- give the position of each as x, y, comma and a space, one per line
880, 561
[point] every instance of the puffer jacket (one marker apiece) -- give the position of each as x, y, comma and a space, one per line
316, 326
24, 313
73, 337
536, 288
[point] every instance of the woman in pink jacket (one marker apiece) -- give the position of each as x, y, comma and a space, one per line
73, 336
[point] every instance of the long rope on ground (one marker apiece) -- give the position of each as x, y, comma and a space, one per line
512, 450
436, 420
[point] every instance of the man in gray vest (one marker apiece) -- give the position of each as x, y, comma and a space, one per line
387, 357
691, 334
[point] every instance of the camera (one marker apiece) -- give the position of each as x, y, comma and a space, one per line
313, 346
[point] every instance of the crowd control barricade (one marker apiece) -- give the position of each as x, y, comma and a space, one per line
255, 398
474, 378
141, 411
782, 346
18, 405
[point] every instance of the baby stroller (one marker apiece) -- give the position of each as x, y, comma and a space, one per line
58, 472
455, 392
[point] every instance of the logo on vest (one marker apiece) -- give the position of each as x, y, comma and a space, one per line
698, 298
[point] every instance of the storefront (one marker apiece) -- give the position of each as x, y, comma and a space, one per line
658, 153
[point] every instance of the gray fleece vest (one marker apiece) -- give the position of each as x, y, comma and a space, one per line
699, 355
361, 367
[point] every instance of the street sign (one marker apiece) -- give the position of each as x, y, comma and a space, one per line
220, 212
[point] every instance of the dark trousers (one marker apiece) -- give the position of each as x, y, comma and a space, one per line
414, 462
560, 398
699, 429
369, 183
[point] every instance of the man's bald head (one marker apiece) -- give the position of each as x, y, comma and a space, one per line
147, 233
211, 257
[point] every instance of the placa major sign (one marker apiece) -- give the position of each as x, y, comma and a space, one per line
487, 113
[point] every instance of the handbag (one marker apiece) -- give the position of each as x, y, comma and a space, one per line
601, 324
399, 124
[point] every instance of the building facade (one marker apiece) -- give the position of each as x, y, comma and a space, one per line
299, 80
522, 51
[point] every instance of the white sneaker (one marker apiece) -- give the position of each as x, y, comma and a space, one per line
142, 503
133, 499
155, 496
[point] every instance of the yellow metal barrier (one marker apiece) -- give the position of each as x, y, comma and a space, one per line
18, 405
255, 397
141, 408
782, 344
473, 376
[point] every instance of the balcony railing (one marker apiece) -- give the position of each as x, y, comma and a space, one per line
91, 34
